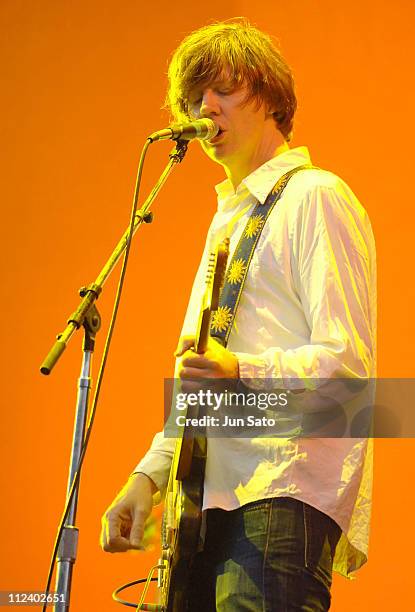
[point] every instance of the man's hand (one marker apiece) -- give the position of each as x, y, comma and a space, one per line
123, 522
216, 362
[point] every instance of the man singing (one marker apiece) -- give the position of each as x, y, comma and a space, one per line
281, 513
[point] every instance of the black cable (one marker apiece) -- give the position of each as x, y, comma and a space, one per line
101, 369
127, 586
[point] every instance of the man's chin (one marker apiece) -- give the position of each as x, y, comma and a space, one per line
216, 152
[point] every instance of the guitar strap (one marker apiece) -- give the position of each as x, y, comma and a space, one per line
223, 318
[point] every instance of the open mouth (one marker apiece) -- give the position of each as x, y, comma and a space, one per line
218, 136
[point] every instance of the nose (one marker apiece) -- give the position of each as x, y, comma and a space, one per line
209, 103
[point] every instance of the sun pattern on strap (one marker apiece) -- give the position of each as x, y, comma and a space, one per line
236, 271
221, 319
253, 226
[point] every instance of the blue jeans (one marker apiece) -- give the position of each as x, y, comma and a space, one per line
273, 555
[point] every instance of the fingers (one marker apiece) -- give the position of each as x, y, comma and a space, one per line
194, 374
193, 360
111, 538
185, 343
188, 342
195, 371
137, 532
195, 367
119, 535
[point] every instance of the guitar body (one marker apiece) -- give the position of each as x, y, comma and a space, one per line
184, 497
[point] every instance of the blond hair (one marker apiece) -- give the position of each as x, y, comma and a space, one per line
237, 48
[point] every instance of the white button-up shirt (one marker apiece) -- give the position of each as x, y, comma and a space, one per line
307, 311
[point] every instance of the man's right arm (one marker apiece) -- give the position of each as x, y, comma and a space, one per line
123, 522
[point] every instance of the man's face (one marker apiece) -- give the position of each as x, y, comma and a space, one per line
243, 124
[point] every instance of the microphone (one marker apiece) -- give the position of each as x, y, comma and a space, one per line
203, 129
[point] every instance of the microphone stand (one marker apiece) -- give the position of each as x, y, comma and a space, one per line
88, 316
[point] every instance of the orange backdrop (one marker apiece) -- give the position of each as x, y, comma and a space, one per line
82, 85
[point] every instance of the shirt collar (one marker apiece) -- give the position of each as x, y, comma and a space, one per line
260, 182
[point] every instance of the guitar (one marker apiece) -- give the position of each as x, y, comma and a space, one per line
183, 506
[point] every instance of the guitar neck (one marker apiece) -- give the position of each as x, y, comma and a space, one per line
203, 331
214, 281
185, 488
